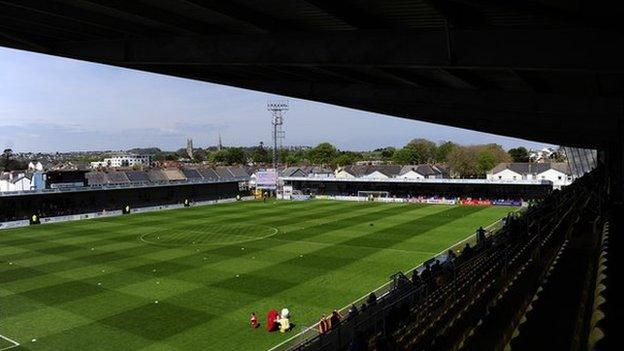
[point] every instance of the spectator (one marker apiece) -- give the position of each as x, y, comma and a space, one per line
353, 311
323, 326
372, 299
334, 320
451, 256
425, 275
467, 252
480, 237
416, 279
436, 268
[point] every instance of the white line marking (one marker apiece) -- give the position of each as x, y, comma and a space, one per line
275, 232
15, 343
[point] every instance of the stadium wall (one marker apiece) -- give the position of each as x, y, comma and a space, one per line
22, 207
92, 215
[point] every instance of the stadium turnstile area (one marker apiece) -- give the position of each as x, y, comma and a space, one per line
541, 282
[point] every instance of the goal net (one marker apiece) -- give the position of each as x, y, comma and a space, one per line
371, 195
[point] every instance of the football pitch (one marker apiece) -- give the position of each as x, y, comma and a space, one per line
188, 279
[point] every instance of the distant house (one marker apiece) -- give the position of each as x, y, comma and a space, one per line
293, 172
123, 161
16, 181
556, 172
32, 166
369, 171
423, 171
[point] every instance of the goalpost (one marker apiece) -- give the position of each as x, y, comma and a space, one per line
372, 195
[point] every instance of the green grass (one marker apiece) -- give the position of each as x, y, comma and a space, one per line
92, 285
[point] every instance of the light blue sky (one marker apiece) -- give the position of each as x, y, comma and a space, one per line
49, 103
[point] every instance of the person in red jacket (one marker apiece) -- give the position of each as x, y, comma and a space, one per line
272, 317
253, 320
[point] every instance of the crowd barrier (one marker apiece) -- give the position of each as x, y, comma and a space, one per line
91, 215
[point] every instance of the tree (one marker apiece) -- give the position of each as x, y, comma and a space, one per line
463, 162
387, 153
199, 155
406, 156
219, 156
475, 161
346, 158
444, 150
519, 154
322, 154
426, 149
417, 151
7, 154
235, 156
260, 155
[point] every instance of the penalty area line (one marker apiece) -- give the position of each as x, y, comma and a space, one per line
15, 343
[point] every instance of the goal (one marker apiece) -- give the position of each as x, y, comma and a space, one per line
372, 195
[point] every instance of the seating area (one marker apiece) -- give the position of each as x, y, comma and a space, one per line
165, 176
96, 178
118, 178
540, 281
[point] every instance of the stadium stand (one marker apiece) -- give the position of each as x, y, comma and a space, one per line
536, 283
238, 172
157, 176
137, 177
224, 173
86, 200
192, 174
174, 175
97, 178
117, 178
209, 174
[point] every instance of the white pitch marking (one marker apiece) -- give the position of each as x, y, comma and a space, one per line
15, 343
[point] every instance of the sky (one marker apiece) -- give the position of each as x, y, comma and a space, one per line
50, 104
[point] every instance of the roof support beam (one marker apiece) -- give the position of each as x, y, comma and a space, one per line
349, 14
245, 14
560, 50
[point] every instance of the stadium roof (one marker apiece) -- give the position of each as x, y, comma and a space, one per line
544, 70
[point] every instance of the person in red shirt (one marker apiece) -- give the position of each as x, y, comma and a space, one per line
253, 320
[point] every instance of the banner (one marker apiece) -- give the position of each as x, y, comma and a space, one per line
506, 202
300, 197
267, 180
476, 202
